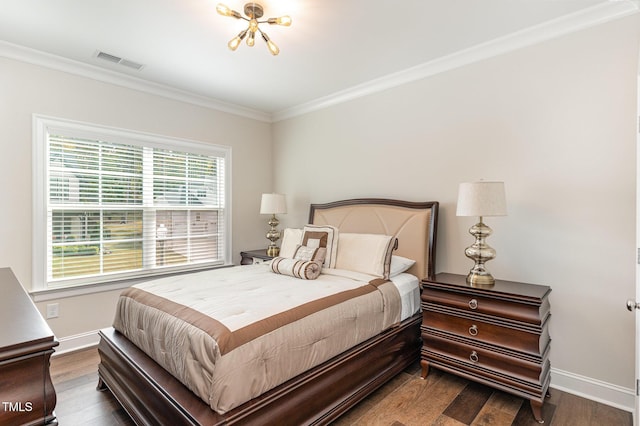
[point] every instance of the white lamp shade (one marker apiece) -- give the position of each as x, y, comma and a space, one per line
481, 199
273, 204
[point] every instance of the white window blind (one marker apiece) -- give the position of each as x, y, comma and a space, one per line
123, 205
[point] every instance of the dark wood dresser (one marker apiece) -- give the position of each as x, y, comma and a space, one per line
27, 396
497, 335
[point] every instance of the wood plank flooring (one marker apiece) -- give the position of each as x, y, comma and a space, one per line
407, 400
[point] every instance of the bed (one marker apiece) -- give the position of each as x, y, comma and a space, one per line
152, 395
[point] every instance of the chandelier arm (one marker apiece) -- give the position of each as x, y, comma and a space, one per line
224, 10
271, 21
284, 21
273, 48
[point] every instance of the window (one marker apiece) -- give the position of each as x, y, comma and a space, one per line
113, 204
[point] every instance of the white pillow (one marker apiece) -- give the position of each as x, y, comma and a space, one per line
291, 239
399, 265
322, 236
366, 253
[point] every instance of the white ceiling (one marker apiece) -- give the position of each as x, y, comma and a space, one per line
332, 47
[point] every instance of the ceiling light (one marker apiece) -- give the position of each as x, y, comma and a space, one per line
253, 11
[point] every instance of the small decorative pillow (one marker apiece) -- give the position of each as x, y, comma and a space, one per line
291, 239
316, 254
322, 236
304, 269
366, 253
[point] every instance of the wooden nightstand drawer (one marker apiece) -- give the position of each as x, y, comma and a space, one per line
530, 341
484, 360
473, 303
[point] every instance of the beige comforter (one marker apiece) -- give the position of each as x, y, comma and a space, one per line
232, 334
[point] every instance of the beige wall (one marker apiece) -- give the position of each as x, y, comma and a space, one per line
555, 121
26, 89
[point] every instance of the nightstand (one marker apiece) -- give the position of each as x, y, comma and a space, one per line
254, 256
497, 335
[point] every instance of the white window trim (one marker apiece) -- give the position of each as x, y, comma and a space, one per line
41, 127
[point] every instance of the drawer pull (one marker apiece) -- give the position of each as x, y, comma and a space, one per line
473, 304
474, 356
473, 330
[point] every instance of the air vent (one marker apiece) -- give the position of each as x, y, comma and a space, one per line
118, 60
131, 64
107, 57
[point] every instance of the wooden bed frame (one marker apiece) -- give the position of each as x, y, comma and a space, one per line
150, 395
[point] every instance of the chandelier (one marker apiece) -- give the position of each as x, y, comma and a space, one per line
253, 12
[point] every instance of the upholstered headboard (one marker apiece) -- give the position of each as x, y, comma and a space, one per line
413, 224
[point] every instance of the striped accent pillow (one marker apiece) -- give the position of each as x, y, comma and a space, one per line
306, 263
304, 269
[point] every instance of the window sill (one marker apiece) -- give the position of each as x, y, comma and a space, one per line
79, 290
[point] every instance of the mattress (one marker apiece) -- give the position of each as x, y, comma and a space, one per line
231, 334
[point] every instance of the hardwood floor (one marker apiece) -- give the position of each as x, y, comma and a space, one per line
443, 400
75, 377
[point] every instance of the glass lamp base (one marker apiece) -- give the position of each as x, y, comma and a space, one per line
273, 235
480, 253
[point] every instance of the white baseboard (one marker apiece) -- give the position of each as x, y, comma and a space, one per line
595, 390
586, 387
77, 342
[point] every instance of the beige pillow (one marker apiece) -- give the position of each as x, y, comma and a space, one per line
291, 239
366, 253
322, 236
316, 254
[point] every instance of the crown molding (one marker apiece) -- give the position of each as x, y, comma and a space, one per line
586, 18
589, 17
36, 57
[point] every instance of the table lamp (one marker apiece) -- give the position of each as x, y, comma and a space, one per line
481, 199
273, 204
